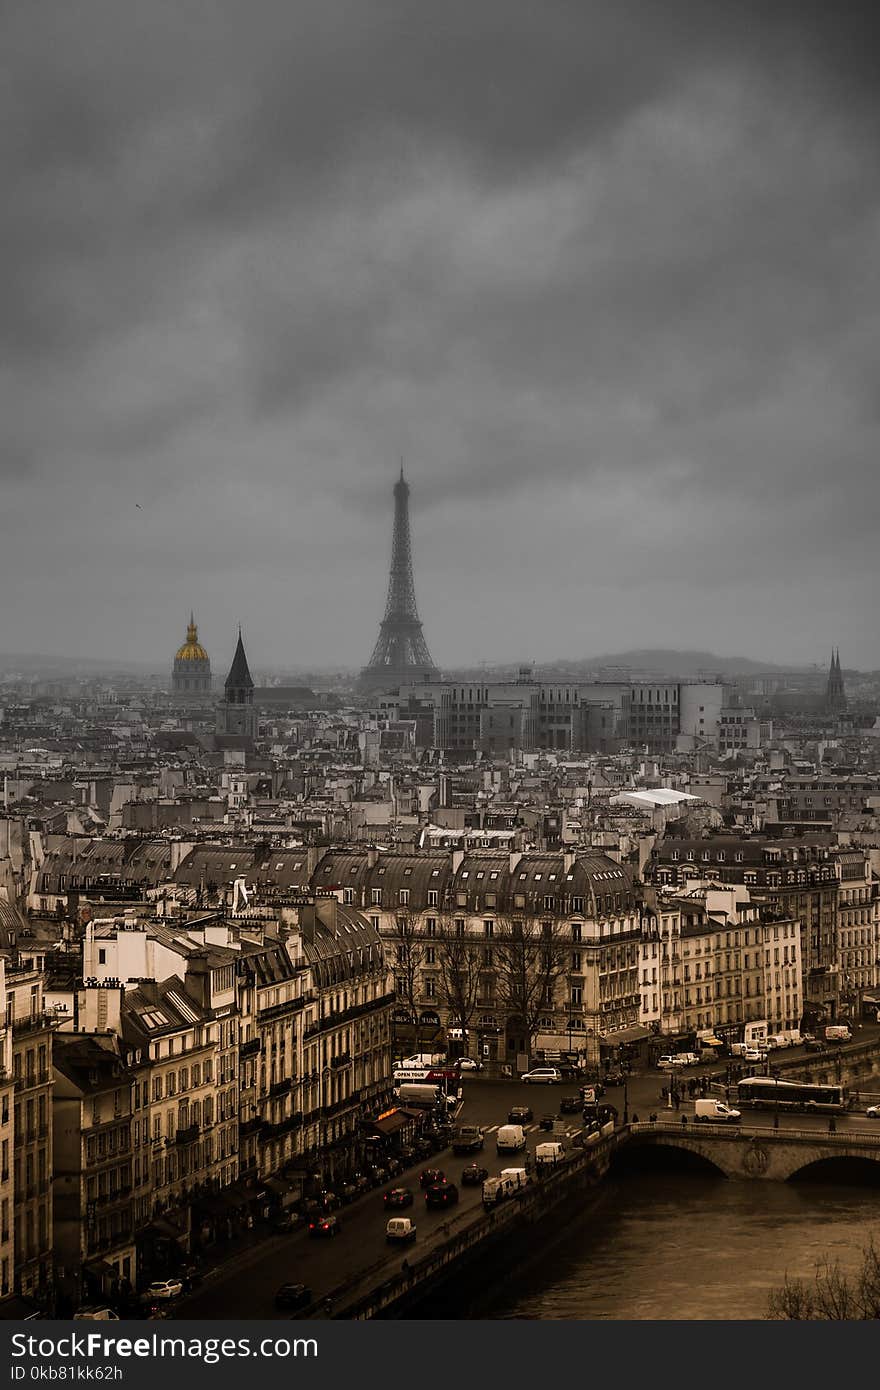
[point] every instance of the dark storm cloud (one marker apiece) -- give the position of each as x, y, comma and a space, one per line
606, 270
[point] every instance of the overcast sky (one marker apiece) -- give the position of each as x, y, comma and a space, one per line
604, 275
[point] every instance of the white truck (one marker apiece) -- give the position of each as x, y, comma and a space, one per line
514, 1179
414, 1093
549, 1154
838, 1032
510, 1139
715, 1111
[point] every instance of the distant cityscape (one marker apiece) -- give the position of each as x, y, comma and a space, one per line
226, 918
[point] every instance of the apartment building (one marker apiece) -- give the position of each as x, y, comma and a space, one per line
93, 1221
486, 908
31, 1039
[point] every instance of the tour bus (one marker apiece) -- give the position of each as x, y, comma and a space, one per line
764, 1093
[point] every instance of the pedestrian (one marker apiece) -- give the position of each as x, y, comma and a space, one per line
635, 1119
677, 1101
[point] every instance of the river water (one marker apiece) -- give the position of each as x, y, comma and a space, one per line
675, 1246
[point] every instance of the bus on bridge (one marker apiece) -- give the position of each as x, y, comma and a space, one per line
765, 1093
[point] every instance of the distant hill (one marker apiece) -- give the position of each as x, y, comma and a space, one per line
670, 662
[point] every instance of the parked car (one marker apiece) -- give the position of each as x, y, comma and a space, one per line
395, 1167
378, 1175
398, 1197
520, 1115
666, 1063
873, 1112
468, 1064
468, 1139
293, 1296
325, 1227
813, 1045
162, 1291
431, 1176
96, 1314
286, 1222
570, 1105
473, 1175
406, 1155
361, 1182
400, 1230
754, 1054
615, 1078
441, 1194
550, 1076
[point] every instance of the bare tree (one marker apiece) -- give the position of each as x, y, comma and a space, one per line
460, 960
530, 960
409, 957
831, 1295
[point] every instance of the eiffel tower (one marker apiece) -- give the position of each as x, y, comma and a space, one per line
400, 656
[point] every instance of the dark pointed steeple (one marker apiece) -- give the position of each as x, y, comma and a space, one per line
239, 683
835, 693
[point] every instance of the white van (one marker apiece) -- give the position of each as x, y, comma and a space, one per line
715, 1110
510, 1139
547, 1155
424, 1059
98, 1314
400, 1230
514, 1179
838, 1032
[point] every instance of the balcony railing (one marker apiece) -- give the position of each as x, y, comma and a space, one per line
188, 1135
281, 1088
250, 1048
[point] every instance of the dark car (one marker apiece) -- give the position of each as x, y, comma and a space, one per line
286, 1222
398, 1197
615, 1078
468, 1140
423, 1148
189, 1274
441, 1194
293, 1296
547, 1122
814, 1045
473, 1175
570, 1105
520, 1115
430, 1176
325, 1226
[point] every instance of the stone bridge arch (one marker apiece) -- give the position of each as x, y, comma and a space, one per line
758, 1154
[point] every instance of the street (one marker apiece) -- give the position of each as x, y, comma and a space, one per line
246, 1288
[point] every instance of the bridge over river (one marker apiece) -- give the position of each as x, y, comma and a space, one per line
753, 1151
744, 1151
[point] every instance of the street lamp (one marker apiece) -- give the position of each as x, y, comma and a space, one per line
625, 1103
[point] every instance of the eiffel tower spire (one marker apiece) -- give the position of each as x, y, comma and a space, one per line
401, 654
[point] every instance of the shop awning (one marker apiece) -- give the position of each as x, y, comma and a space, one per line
627, 1035
391, 1124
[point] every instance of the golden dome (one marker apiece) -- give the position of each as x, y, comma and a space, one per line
192, 649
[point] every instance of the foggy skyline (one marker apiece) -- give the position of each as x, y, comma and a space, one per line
604, 278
